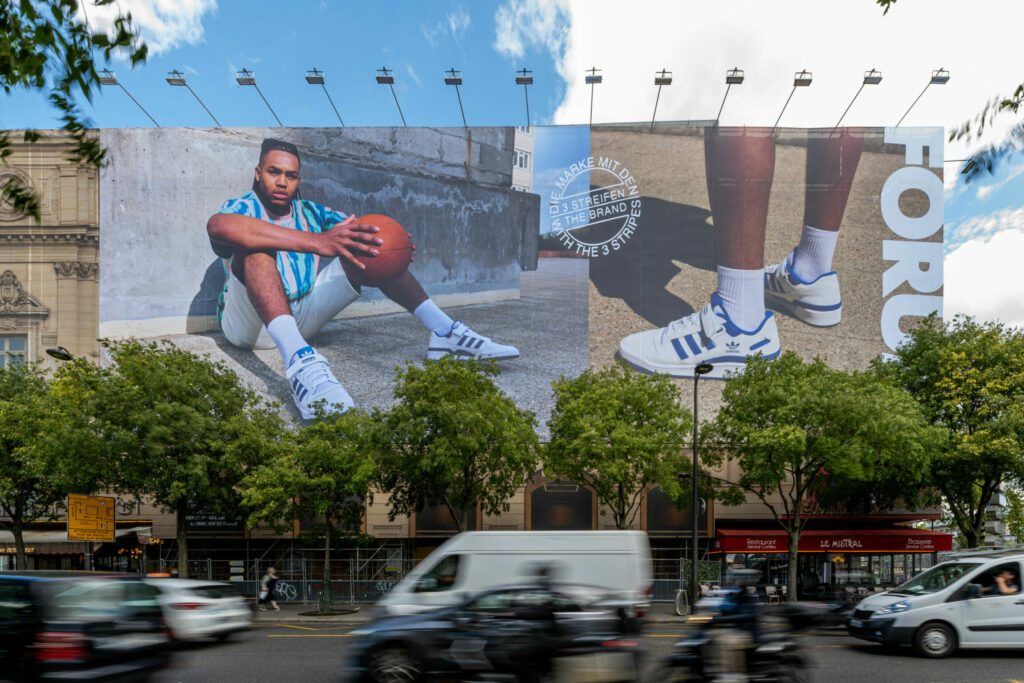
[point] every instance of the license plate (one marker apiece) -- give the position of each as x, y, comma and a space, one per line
856, 623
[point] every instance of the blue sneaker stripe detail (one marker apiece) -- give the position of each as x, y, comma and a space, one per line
692, 343
759, 344
818, 307
479, 344
679, 349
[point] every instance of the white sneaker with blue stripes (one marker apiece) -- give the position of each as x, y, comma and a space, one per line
816, 303
708, 336
463, 343
311, 380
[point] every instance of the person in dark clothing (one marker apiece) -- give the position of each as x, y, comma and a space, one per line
266, 594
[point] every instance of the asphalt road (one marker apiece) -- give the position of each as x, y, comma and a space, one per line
314, 653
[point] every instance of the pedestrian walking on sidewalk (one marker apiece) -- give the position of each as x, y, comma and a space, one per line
266, 594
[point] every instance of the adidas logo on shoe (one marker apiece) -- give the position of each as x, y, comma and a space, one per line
732, 347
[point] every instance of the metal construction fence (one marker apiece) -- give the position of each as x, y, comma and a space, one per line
364, 575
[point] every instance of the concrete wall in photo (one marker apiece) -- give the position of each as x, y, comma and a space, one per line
450, 188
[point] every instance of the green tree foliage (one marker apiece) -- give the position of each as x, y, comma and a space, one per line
620, 432
182, 429
969, 378
46, 48
1013, 514
808, 437
453, 438
322, 473
46, 451
988, 158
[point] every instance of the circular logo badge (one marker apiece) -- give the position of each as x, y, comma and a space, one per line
595, 207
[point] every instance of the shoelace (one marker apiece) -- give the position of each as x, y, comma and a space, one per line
316, 375
707, 321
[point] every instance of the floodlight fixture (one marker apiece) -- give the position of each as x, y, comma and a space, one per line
871, 77
592, 80
939, 77
524, 77
60, 353
801, 79
176, 78
733, 77
108, 77
453, 77
246, 77
316, 77
385, 76
661, 78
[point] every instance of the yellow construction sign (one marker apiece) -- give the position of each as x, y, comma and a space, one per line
90, 518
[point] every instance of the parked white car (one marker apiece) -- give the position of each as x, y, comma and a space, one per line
201, 609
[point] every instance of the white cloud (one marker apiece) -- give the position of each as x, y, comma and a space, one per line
455, 25
1009, 174
163, 24
981, 279
412, 74
983, 228
522, 24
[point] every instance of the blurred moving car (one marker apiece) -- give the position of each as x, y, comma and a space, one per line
76, 625
532, 632
201, 609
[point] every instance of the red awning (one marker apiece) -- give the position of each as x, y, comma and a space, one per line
834, 541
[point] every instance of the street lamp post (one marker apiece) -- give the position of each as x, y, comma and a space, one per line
592, 80
316, 77
701, 369
176, 78
385, 77
872, 77
108, 77
801, 79
733, 77
525, 79
661, 78
246, 77
453, 77
939, 77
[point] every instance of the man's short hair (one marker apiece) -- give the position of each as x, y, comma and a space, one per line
271, 144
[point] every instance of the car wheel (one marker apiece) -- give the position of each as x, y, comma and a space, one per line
935, 640
394, 664
222, 636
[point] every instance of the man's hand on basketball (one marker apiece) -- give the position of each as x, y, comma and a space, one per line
348, 240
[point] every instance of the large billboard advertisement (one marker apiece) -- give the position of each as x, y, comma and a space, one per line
552, 249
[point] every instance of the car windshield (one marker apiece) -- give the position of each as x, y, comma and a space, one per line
936, 578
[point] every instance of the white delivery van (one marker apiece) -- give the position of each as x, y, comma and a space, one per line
473, 561
974, 600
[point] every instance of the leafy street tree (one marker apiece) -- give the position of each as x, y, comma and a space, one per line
323, 473
47, 48
453, 439
619, 432
183, 430
806, 436
46, 451
969, 379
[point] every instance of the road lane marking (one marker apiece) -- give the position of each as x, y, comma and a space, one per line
310, 635
664, 635
304, 628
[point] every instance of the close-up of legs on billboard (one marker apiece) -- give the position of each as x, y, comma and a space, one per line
740, 163
803, 284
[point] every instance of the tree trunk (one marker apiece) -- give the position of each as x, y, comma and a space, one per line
19, 543
326, 600
464, 519
182, 536
794, 544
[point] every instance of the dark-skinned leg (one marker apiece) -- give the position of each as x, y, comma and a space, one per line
740, 163
406, 291
257, 270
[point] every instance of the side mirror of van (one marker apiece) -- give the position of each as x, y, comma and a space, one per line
426, 584
973, 591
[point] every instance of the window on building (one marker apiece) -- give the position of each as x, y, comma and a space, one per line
520, 188
524, 129
12, 351
521, 159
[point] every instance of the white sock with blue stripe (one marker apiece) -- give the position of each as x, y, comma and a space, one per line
433, 318
813, 256
742, 294
285, 332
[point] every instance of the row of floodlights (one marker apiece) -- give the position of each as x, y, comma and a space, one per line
524, 77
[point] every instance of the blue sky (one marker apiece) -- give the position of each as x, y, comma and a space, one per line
488, 40
555, 150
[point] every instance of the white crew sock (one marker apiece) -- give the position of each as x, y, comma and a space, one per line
285, 332
742, 294
433, 318
813, 256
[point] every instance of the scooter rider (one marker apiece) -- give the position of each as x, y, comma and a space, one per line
740, 621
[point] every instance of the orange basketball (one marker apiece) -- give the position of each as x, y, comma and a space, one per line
395, 253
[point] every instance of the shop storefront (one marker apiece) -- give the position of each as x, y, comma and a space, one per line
834, 563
